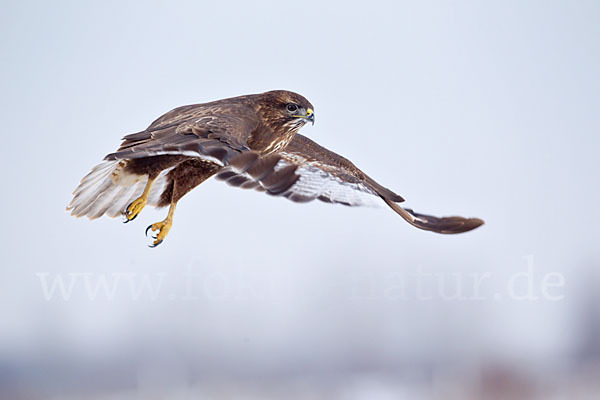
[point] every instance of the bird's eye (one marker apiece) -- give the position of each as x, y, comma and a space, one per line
292, 107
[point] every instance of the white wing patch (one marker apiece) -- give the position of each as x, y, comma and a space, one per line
317, 183
189, 153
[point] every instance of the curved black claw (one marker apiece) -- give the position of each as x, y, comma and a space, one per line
129, 220
153, 245
147, 229
126, 213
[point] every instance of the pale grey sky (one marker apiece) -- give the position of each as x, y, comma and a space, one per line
486, 109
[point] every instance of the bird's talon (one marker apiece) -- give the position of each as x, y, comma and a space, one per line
163, 228
134, 208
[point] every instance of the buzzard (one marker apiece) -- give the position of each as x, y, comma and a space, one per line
248, 141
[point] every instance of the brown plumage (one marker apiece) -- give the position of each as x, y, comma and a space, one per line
248, 141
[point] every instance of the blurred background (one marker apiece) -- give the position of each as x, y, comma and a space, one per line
486, 109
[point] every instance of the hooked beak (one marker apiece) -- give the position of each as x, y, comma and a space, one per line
310, 115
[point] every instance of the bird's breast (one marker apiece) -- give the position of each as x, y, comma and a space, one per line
267, 142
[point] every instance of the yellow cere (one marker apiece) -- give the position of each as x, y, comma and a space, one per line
309, 112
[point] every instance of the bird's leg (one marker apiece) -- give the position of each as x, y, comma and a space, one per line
135, 207
186, 176
162, 227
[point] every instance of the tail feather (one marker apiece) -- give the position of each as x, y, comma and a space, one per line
446, 225
108, 189
98, 174
121, 200
104, 195
91, 196
109, 200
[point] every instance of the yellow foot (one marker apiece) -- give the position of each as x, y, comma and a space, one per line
134, 209
163, 228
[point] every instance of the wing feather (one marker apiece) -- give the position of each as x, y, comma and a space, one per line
305, 171
214, 131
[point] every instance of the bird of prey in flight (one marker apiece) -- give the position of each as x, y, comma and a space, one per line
248, 141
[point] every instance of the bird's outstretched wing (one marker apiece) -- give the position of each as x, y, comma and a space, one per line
305, 171
214, 131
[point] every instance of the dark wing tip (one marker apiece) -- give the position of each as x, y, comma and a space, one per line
445, 225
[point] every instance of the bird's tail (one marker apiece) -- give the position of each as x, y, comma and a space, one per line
109, 188
447, 225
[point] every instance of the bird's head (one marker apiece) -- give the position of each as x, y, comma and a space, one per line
284, 109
